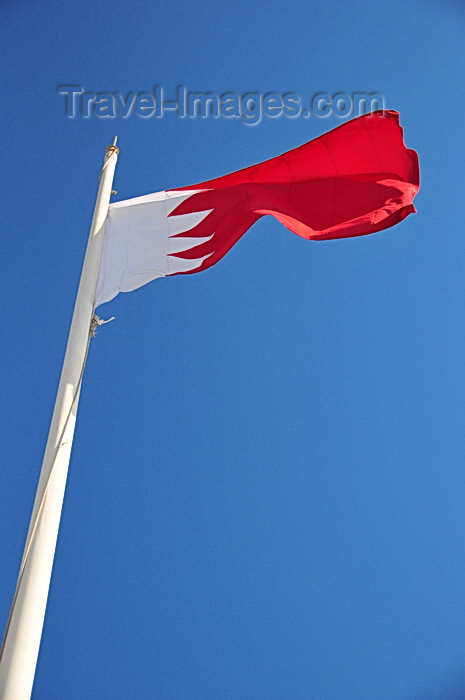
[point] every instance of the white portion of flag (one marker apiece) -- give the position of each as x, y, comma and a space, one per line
138, 242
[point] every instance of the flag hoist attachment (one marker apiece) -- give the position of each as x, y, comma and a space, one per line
20, 648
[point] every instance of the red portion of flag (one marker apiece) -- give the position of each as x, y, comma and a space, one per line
354, 180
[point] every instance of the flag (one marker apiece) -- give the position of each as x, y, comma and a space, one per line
356, 179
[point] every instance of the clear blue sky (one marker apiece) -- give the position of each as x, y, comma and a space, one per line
266, 497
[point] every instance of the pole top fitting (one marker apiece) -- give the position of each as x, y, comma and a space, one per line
112, 149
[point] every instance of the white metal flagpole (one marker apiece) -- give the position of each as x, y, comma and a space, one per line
18, 655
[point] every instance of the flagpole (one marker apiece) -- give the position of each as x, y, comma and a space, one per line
18, 655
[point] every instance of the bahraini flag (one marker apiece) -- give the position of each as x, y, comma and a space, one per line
356, 179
